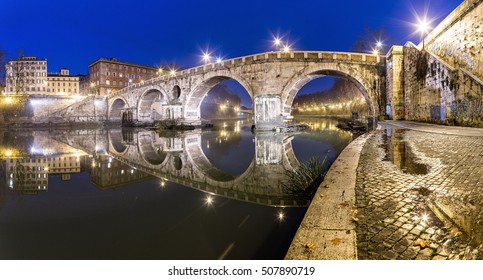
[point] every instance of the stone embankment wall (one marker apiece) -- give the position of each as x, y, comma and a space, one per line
444, 82
436, 92
92, 108
32, 109
458, 39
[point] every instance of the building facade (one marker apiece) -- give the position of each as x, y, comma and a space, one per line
107, 76
26, 76
63, 83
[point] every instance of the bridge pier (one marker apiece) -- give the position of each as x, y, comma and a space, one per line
267, 112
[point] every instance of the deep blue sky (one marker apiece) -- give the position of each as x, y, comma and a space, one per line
73, 34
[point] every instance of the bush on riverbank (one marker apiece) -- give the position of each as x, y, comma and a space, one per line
305, 179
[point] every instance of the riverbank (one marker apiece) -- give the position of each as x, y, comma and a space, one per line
371, 208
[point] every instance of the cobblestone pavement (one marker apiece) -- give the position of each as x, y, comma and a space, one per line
419, 196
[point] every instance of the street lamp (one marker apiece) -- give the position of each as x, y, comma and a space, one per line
277, 42
286, 48
206, 57
423, 28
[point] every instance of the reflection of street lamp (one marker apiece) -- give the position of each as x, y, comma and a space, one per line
92, 88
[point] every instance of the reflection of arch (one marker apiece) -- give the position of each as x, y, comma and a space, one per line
117, 106
116, 142
178, 163
149, 104
196, 96
330, 69
204, 165
151, 153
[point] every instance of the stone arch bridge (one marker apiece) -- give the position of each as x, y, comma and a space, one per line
271, 79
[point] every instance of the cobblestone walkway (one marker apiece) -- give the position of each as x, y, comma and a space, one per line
419, 196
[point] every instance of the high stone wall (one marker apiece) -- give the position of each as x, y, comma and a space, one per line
458, 39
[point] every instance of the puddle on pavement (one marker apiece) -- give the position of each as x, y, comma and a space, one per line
399, 153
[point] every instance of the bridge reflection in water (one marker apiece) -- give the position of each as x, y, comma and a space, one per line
222, 169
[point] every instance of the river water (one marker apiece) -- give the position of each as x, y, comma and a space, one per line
140, 194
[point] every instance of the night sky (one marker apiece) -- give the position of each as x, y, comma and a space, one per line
73, 34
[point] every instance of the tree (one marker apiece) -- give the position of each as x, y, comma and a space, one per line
367, 40
17, 73
3, 61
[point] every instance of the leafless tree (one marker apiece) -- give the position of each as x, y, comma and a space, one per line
367, 40
18, 74
3, 61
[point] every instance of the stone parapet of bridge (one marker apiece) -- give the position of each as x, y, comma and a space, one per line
271, 79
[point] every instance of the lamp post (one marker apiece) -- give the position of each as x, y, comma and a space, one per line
277, 42
423, 27
206, 57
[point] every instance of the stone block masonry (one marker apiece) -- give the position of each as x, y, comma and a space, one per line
458, 39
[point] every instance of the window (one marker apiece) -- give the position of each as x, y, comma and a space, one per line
107, 73
108, 82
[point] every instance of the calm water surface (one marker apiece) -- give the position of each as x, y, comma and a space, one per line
138, 194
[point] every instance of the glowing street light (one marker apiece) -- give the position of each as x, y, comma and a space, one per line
277, 42
375, 51
219, 60
286, 48
206, 57
172, 72
423, 27
379, 44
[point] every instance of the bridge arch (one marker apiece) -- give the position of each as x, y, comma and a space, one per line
200, 90
176, 92
352, 73
150, 103
117, 107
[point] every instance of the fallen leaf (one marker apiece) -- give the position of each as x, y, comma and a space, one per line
422, 243
310, 245
325, 186
456, 232
343, 204
336, 241
355, 219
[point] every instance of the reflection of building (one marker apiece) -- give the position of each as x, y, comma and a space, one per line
110, 75
27, 175
110, 173
62, 83
63, 164
30, 175
27, 75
